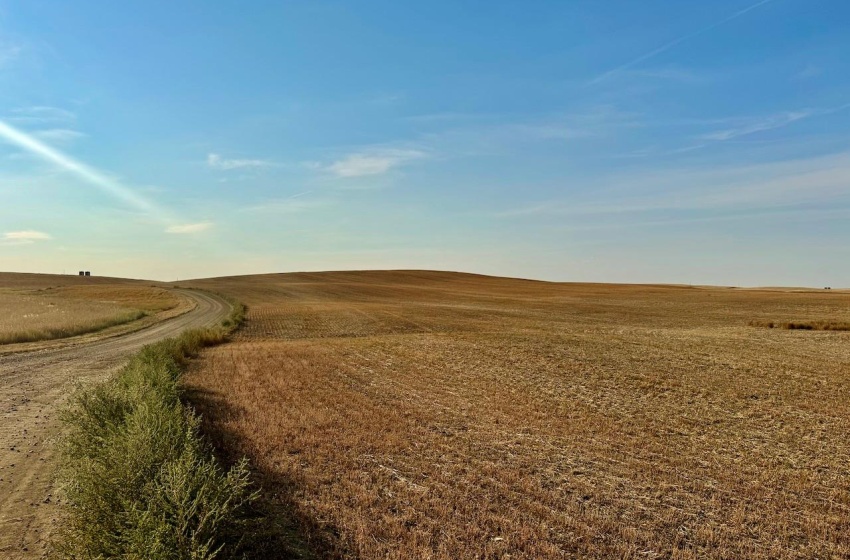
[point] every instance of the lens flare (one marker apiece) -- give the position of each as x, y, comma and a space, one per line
92, 176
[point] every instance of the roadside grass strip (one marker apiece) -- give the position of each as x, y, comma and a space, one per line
139, 479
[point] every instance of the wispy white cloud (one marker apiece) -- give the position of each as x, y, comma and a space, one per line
675, 42
810, 71
295, 204
475, 134
786, 215
387, 98
42, 114
548, 131
656, 151
724, 129
581, 119
375, 162
9, 53
759, 124
668, 73
312, 165
29, 234
428, 118
359, 165
215, 161
794, 183
24, 237
189, 228
498, 137
59, 135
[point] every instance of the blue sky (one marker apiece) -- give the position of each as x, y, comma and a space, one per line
621, 141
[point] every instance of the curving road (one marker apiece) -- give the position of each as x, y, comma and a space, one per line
33, 385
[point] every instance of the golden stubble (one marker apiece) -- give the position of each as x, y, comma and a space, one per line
432, 415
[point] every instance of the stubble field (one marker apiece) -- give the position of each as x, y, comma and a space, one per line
438, 415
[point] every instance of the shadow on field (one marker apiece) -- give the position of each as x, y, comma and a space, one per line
273, 527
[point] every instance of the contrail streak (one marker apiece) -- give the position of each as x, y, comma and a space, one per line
92, 176
675, 42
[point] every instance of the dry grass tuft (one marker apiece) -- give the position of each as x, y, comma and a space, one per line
432, 415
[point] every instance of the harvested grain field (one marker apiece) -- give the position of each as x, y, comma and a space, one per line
65, 309
439, 415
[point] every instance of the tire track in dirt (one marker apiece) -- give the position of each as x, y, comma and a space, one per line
33, 386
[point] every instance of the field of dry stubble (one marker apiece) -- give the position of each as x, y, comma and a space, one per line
438, 415
41, 307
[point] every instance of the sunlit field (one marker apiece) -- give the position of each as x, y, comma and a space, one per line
64, 309
438, 415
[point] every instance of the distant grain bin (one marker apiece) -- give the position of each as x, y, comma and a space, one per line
82, 273
88, 273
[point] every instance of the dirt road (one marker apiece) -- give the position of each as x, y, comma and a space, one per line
33, 386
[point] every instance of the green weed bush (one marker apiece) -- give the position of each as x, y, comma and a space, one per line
140, 481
